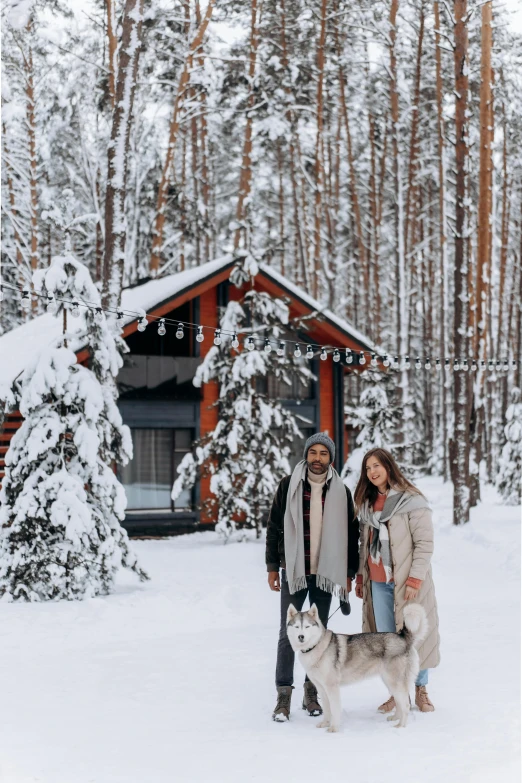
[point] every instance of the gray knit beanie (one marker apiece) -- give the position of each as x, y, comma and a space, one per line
324, 440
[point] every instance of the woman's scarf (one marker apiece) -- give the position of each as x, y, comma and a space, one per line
332, 567
397, 501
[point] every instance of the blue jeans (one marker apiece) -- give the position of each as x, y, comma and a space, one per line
383, 610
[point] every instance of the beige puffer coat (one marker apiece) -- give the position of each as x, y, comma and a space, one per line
411, 545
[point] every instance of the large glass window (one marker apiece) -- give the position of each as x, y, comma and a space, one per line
148, 478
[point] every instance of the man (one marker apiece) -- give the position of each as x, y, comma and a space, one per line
313, 536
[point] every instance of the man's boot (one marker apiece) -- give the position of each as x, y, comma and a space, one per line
422, 700
282, 708
310, 702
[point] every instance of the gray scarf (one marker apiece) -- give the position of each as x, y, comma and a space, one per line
333, 556
397, 501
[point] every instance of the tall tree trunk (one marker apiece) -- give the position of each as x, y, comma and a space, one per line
485, 179
443, 246
245, 178
115, 223
319, 163
484, 244
113, 48
460, 444
31, 131
161, 203
414, 141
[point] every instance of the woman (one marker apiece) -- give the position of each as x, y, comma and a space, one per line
394, 563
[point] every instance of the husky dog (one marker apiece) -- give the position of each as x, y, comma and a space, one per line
333, 659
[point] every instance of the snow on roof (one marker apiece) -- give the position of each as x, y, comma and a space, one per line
19, 346
152, 294
315, 305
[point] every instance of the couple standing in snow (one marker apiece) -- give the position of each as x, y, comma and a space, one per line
317, 543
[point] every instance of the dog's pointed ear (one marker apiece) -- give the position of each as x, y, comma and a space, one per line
292, 611
313, 612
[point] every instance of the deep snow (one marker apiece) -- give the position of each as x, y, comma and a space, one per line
173, 680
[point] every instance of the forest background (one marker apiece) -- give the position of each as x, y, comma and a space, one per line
370, 151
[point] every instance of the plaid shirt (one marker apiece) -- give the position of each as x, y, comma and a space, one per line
307, 492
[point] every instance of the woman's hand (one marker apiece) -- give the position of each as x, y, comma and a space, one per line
410, 593
359, 590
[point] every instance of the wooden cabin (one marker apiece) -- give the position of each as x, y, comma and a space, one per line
158, 400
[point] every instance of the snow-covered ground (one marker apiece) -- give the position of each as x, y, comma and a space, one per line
173, 680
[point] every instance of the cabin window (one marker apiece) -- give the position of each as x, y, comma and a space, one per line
148, 478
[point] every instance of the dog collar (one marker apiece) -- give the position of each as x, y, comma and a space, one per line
310, 649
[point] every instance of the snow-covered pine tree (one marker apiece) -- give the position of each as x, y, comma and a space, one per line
509, 478
248, 452
378, 421
61, 503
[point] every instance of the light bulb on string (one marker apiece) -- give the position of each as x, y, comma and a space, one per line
385, 361
362, 358
52, 305
281, 349
374, 360
396, 363
119, 318
267, 346
161, 328
349, 356
200, 336
427, 364
465, 367
514, 364
506, 366
25, 304
142, 324
98, 315
235, 341
217, 337
418, 365
75, 310
297, 351
251, 344
499, 365
336, 355
474, 365
180, 334
407, 363
324, 355
456, 365
309, 352
490, 364
482, 364
437, 364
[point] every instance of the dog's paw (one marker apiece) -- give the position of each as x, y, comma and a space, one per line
323, 724
333, 729
393, 716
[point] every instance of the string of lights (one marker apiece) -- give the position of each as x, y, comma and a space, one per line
351, 357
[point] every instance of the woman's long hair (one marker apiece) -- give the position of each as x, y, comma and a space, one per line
365, 490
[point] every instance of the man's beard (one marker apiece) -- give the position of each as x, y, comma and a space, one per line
317, 467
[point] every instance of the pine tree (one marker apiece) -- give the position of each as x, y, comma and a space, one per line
378, 420
61, 503
247, 454
509, 479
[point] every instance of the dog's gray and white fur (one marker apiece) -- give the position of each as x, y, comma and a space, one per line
333, 659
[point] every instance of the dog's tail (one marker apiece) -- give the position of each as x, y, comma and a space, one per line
415, 623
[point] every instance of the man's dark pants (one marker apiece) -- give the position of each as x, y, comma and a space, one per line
285, 654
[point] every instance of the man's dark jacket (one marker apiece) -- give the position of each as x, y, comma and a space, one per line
275, 536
